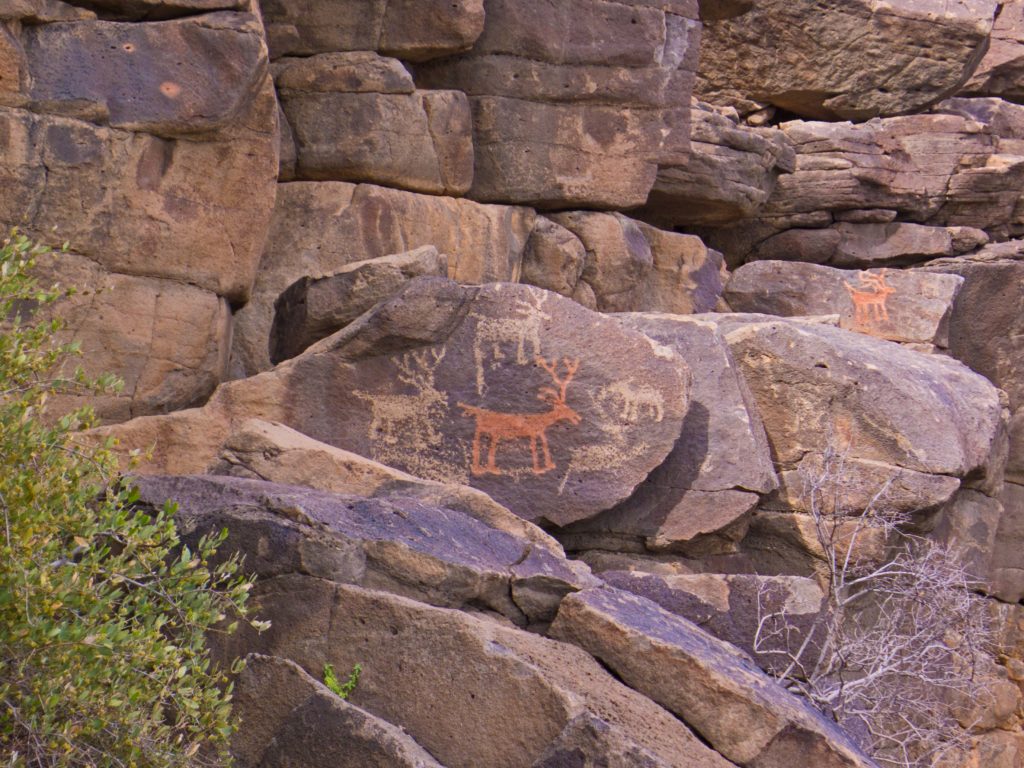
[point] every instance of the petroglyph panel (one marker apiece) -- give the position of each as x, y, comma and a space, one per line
898, 305
555, 411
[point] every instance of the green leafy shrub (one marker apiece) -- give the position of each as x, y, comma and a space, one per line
343, 690
103, 612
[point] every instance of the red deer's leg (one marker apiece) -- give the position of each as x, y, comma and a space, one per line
476, 469
548, 463
492, 449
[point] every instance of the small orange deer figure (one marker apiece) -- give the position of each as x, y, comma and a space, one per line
497, 426
869, 305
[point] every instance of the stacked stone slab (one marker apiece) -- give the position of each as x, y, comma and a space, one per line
844, 59
358, 117
613, 263
729, 175
895, 191
433, 421
578, 105
999, 73
150, 147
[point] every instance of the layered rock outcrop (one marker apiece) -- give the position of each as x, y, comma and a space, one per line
415, 298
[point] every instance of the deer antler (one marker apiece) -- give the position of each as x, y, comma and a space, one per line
571, 366
877, 280
416, 369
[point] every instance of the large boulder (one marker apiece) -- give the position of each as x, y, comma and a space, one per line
358, 117
987, 329
173, 360
631, 266
313, 308
430, 553
180, 183
729, 175
409, 29
844, 59
575, 106
169, 78
889, 411
714, 688
467, 689
743, 609
291, 718
319, 227
504, 387
899, 305
1000, 73
261, 450
698, 500
856, 188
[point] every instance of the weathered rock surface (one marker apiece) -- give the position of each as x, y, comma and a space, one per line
501, 387
565, 155
814, 385
732, 606
972, 525
856, 187
260, 450
436, 555
1000, 73
358, 117
290, 718
319, 227
192, 209
498, 696
576, 106
889, 304
313, 308
173, 359
631, 266
864, 483
741, 712
987, 327
869, 244
729, 175
1006, 576
844, 59
408, 29
698, 500
554, 259
169, 78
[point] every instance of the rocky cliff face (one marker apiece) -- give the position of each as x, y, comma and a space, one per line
417, 297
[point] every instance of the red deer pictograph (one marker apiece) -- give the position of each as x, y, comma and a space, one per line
869, 305
497, 426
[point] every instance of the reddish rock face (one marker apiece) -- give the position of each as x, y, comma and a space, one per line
630, 266
889, 304
908, 54
358, 117
698, 501
1000, 73
414, 30
554, 411
167, 78
575, 106
890, 192
319, 227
